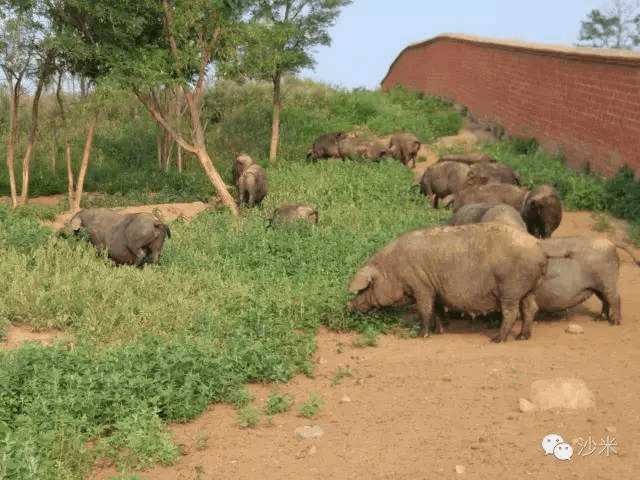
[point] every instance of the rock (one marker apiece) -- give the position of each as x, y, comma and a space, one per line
611, 430
460, 470
322, 361
345, 399
309, 432
574, 329
313, 450
526, 406
562, 393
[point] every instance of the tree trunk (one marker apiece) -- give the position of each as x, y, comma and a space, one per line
12, 139
70, 182
84, 164
199, 147
159, 148
33, 132
179, 159
275, 123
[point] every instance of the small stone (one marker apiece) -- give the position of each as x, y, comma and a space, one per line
611, 430
322, 361
574, 329
460, 470
482, 440
475, 446
308, 432
313, 450
360, 381
526, 406
345, 399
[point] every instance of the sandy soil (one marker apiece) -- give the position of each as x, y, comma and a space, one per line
167, 212
421, 407
19, 334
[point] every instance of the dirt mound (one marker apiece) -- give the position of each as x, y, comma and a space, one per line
167, 212
419, 408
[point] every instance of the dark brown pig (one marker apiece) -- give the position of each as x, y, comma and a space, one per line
292, 212
252, 185
542, 211
488, 212
472, 269
327, 146
443, 179
405, 147
128, 239
484, 173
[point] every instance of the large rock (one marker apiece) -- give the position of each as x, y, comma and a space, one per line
562, 393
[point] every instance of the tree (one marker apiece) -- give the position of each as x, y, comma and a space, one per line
150, 45
24, 55
617, 27
278, 40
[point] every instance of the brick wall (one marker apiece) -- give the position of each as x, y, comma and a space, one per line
582, 102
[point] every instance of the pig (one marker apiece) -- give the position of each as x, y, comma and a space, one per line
252, 185
542, 211
489, 212
541, 208
327, 146
356, 147
484, 173
443, 179
471, 268
241, 163
292, 212
578, 268
129, 239
405, 147
494, 192
468, 158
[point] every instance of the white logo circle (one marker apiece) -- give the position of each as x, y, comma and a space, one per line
563, 451
550, 441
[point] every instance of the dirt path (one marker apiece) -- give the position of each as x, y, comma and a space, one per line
419, 408
167, 212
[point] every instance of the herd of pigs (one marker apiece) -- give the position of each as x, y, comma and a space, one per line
495, 255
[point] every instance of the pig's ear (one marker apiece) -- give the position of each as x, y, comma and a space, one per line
362, 280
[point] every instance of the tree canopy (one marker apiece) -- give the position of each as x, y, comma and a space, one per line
617, 27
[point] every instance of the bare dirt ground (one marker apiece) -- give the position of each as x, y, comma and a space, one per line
420, 407
19, 334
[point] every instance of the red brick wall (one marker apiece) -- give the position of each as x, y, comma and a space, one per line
582, 102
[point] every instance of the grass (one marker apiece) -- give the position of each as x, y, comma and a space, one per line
231, 302
277, 403
311, 407
368, 338
248, 417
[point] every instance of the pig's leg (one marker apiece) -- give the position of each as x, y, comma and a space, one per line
510, 309
424, 303
435, 200
610, 306
529, 308
437, 318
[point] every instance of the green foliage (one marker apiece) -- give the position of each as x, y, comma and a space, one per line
248, 417
618, 27
368, 338
21, 231
311, 407
277, 403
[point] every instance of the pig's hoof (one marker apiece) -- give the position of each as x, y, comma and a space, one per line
523, 336
497, 339
424, 333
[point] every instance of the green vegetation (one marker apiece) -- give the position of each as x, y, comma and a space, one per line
311, 407
248, 417
230, 303
278, 403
